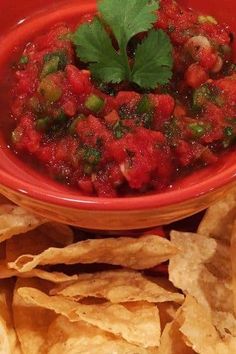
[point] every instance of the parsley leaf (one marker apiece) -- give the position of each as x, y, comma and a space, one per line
94, 46
152, 63
153, 60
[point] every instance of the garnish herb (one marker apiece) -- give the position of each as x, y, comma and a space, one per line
229, 137
144, 105
207, 92
91, 155
152, 61
145, 112
119, 130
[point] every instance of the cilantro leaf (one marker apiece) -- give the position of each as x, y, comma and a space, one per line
94, 46
128, 18
153, 60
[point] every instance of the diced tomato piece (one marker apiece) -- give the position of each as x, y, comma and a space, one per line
159, 231
112, 117
207, 59
79, 80
164, 106
195, 76
86, 186
70, 107
91, 130
128, 98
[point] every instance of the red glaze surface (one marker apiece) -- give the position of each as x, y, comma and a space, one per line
29, 188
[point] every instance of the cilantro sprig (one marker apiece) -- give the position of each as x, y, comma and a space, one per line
152, 62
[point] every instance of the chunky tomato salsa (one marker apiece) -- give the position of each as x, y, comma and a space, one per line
112, 118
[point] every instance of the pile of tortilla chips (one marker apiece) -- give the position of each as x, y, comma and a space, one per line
62, 293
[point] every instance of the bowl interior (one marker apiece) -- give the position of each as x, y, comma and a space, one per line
17, 30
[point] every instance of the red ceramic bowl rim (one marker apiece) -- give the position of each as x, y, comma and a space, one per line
153, 201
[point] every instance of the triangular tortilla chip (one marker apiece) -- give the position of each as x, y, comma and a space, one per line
135, 253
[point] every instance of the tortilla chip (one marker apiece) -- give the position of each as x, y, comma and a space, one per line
167, 312
14, 220
225, 323
118, 286
173, 341
34, 241
138, 323
66, 337
135, 253
203, 270
9, 342
38, 240
200, 332
54, 277
31, 322
233, 262
219, 218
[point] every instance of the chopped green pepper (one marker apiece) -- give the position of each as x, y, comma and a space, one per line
94, 103
119, 130
197, 129
228, 132
50, 90
50, 67
42, 124
24, 59
60, 55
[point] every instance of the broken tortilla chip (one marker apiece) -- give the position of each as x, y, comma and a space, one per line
233, 262
118, 286
200, 332
172, 340
31, 322
203, 270
14, 220
137, 323
9, 342
219, 218
66, 337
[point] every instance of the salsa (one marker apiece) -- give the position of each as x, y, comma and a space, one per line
115, 139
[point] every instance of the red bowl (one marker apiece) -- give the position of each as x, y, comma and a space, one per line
26, 187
